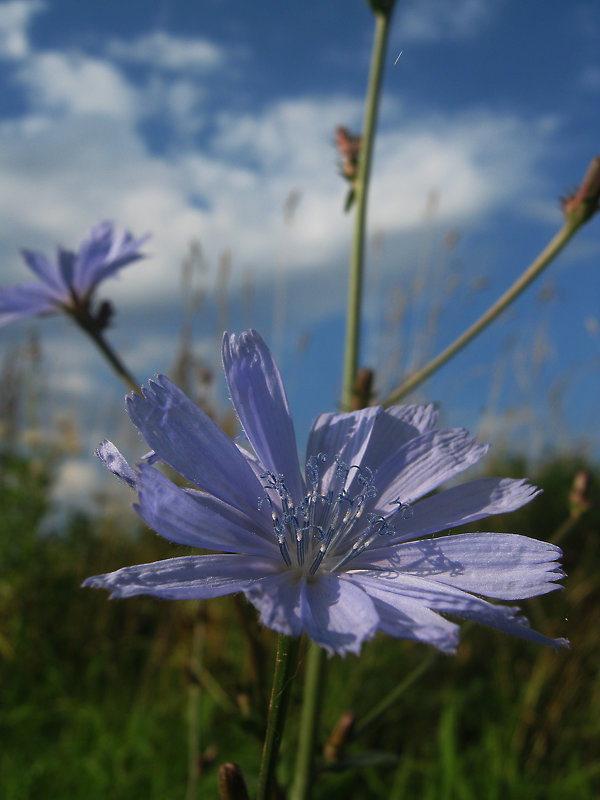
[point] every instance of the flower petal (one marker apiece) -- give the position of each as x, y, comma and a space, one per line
104, 251
26, 300
66, 266
277, 599
422, 464
46, 271
187, 439
114, 461
261, 404
505, 566
448, 600
344, 437
188, 577
458, 506
405, 618
196, 519
394, 428
337, 614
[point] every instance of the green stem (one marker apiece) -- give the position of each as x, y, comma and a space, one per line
540, 263
352, 346
373, 716
87, 324
309, 721
285, 666
315, 677
194, 712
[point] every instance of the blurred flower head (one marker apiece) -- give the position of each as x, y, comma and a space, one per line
68, 282
343, 550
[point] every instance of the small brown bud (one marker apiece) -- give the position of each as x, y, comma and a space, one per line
340, 736
579, 500
584, 203
348, 145
232, 785
361, 391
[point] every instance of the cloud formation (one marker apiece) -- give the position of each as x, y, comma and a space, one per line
162, 50
15, 17
81, 152
432, 20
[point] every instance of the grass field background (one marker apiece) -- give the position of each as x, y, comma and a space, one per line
143, 698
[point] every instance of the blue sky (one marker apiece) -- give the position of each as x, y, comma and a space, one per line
198, 120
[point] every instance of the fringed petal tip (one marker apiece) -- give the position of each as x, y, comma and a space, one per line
114, 461
98, 582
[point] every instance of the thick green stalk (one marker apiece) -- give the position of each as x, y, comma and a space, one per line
309, 721
285, 667
511, 294
361, 188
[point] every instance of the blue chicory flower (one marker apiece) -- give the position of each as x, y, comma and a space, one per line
69, 283
341, 551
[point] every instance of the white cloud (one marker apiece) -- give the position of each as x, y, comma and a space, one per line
430, 20
14, 21
161, 50
62, 176
74, 84
78, 156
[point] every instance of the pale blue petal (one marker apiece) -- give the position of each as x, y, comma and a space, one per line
345, 436
423, 464
187, 439
66, 265
261, 404
505, 566
46, 271
394, 428
198, 520
417, 419
116, 463
458, 506
102, 253
26, 300
405, 618
448, 600
186, 578
277, 599
337, 614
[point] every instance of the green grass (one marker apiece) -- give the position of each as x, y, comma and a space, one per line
98, 697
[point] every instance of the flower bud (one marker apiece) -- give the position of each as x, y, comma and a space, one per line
232, 785
582, 205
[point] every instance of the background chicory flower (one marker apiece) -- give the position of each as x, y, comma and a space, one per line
68, 282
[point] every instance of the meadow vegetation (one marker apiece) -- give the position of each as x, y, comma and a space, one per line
143, 698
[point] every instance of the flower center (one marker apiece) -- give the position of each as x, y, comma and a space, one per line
329, 527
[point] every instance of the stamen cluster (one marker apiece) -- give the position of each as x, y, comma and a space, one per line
326, 528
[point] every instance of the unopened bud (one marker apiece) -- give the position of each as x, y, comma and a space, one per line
579, 500
340, 736
348, 145
232, 785
361, 391
584, 203
382, 6
104, 315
